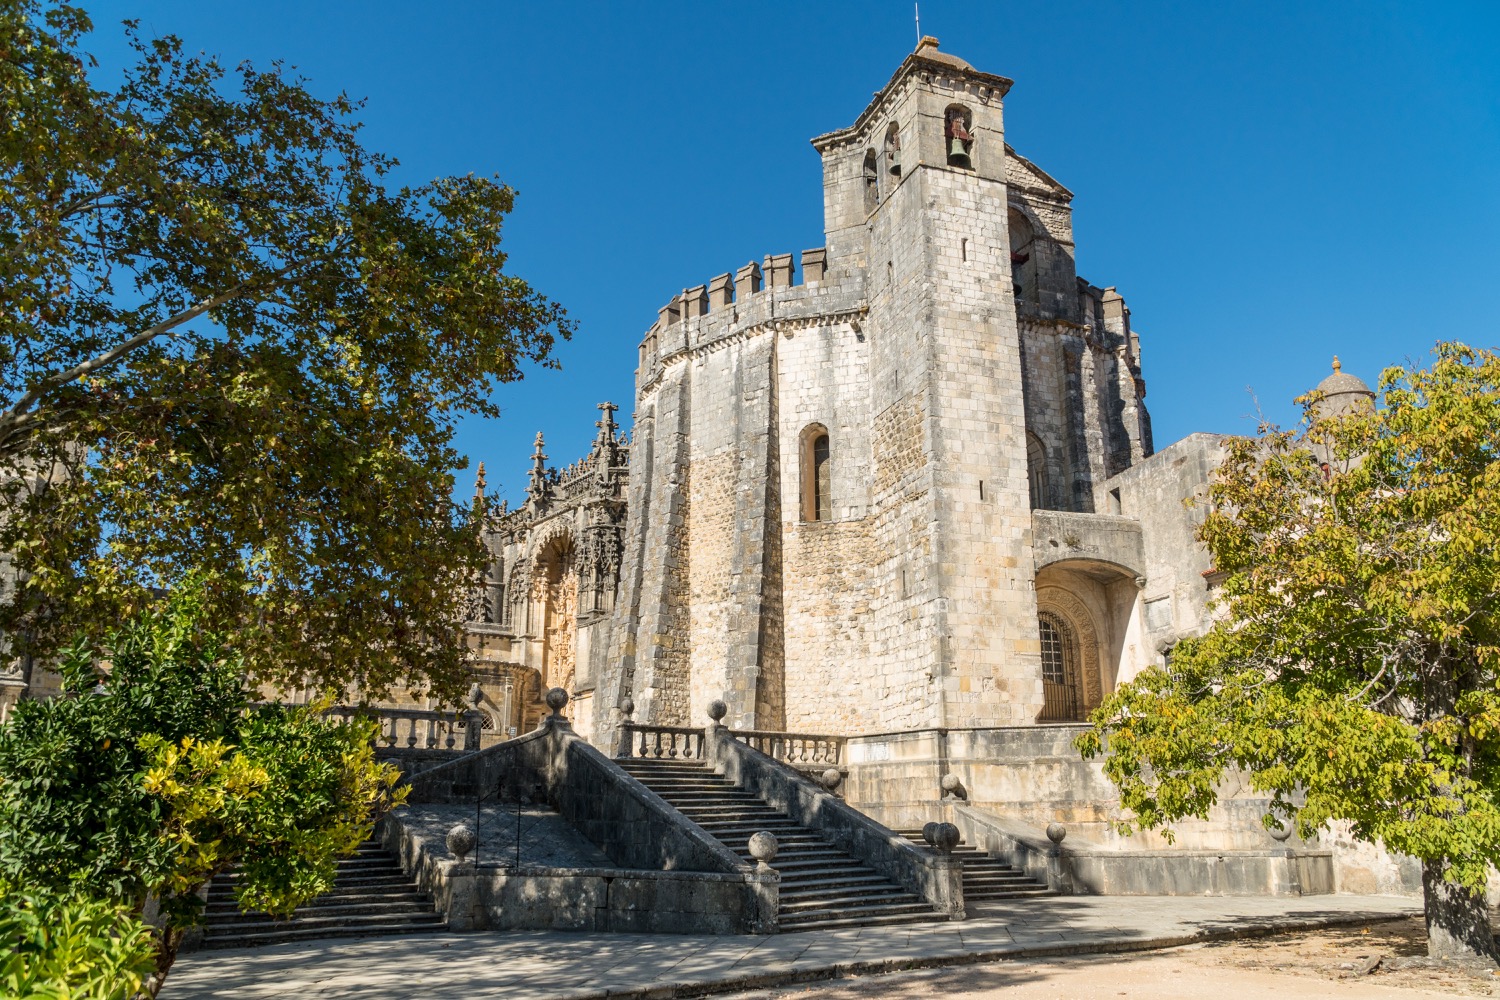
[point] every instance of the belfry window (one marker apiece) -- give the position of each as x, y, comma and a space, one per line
958, 133
872, 181
893, 151
817, 475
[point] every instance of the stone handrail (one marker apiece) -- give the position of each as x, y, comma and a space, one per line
802, 750
937, 878
661, 742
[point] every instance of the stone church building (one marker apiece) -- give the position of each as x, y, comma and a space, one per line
900, 490
910, 483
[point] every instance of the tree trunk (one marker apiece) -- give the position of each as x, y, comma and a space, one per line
1458, 919
168, 940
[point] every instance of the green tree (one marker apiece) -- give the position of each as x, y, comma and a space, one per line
228, 345
150, 777
1354, 671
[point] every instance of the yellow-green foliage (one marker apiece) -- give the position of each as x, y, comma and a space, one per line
70, 948
1354, 670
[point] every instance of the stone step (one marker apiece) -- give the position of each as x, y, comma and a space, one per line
828, 901
289, 932
335, 898
308, 915
857, 916
987, 895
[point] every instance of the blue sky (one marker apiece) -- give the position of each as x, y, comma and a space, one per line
1267, 184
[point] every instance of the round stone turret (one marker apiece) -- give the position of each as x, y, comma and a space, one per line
1342, 392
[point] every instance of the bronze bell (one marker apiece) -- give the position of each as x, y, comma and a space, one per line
895, 165
958, 156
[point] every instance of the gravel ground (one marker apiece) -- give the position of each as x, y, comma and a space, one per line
1331, 963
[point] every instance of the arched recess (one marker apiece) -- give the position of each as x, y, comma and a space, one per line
870, 172
816, 467
554, 594
1022, 256
513, 611
1036, 473
893, 150
1070, 656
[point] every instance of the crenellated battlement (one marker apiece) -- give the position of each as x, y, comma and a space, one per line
726, 299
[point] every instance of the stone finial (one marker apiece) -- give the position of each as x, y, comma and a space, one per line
717, 710
1336, 367
831, 778
556, 699
1056, 832
721, 291
627, 707
814, 265
1281, 831
537, 488
476, 694
951, 786
942, 836
763, 847
462, 840
746, 281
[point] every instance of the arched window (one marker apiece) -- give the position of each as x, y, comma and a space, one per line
893, 150
958, 123
817, 475
1036, 472
1022, 267
872, 181
1060, 670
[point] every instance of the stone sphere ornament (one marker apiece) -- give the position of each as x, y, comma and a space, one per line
763, 848
462, 840
832, 778
952, 786
627, 706
556, 699
717, 710
945, 837
929, 833
1280, 832
1056, 832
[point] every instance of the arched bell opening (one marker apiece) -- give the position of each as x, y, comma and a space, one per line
958, 136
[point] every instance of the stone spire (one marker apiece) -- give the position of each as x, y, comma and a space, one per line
606, 424
479, 493
538, 489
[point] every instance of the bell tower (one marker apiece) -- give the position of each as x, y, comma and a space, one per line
928, 231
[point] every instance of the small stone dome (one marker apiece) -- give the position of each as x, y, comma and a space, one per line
1341, 382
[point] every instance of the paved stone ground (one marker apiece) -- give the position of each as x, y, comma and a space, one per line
547, 840
541, 964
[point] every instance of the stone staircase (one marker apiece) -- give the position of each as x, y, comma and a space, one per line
987, 878
371, 895
821, 886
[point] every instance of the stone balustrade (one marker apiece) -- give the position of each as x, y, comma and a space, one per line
800, 750
662, 742
418, 728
